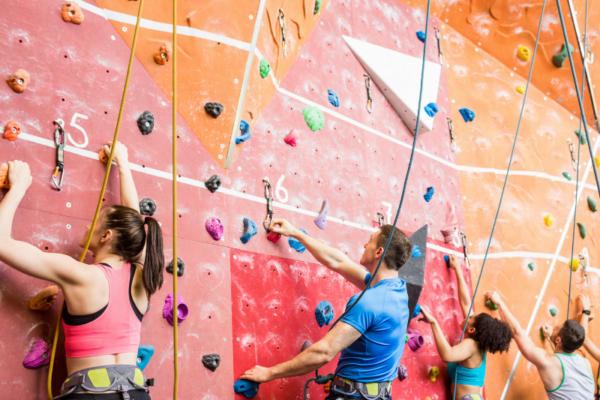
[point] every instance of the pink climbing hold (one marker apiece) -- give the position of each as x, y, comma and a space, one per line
39, 355
182, 309
321, 220
292, 138
306, 345
215, 228
415, 340
450, 228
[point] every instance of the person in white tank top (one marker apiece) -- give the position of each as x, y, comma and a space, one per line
584, 315
565, 375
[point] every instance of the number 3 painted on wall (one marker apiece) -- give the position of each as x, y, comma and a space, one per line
279, 188
74, 125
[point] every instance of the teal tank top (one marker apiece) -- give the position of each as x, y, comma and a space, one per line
468, 376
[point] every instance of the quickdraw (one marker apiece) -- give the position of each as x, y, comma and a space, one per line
380, 219
572, 150
583, 258
60, 154
269, 197
282, 24
589, 56
438, 36
464, 243
451, 130
369, 97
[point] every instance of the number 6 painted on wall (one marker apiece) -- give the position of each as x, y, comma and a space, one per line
74, 125
279, 188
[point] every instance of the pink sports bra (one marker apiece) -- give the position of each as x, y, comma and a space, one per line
114, 329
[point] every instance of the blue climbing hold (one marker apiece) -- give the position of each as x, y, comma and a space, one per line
417, 311
249, 230
324, 313
416, 251
246, 388
296, 245
467, 114
421, 36
447, 259
245, 130
429, 194
333, 98
145, 353
431, 109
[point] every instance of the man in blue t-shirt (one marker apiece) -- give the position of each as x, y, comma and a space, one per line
370, 336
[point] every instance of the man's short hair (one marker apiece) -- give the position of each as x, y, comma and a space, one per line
572, 336
400, 249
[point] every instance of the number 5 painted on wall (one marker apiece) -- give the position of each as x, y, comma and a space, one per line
74, 125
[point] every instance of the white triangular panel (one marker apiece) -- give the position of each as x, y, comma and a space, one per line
398, 76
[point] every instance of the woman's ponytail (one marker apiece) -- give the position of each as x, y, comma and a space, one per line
155, 259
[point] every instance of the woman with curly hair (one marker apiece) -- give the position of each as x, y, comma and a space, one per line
483, 334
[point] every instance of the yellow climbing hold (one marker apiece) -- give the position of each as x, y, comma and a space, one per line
433, 373
548, 219
523, 53
574, 264
521, 89
597, 161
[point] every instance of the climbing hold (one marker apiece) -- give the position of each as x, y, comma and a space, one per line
333, 98
265, 67
71, 12
147, 207
324, 313
249, 230
447, 259
592, 204
245, 132
44, 299
102, 156
213, 183
542, 333
4, 176
467, 114
273, 237
402, 372
574, 264
296, 245
523, 53
182, 309
213, 109
421, 36
429, 194
490, 304
548, 219
11, 131
581, 136
306, 345
321, 220
292, 138
19, 80
163, 55
433, 373
521, 89
314, 118
180, 267
145, 353
405, 338
417, 311
553, 311
39, 354
246, 388
416, 252
317, 7
559, 58
531, 266
431, 109
146, 122
597, 161
450, 228
214, 227
211, 361
415, 340
568, 176
582, 231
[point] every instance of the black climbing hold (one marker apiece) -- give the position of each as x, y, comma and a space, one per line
413, 272
147, 207
211, 361
214, 109
146, 122
180, 267
213, 183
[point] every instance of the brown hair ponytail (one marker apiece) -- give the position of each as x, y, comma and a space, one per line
155, 259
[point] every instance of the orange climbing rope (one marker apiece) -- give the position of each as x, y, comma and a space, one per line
99, 205
174, 101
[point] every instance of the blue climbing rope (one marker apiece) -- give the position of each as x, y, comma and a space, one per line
505, 181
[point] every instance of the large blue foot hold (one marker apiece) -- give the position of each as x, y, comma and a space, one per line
431, 109
447, 260
416, 251
427, 196
324, 313
421, 36
249, 230
333, 98
145, 353
296, 245
321, 220
417, 311
245, 132
467, 114
246, 388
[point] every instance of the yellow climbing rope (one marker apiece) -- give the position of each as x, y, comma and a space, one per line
99, 206
174, 101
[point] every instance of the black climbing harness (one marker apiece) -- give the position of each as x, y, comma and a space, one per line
347, 387
282, 25
369, 97
60, 153
269, 197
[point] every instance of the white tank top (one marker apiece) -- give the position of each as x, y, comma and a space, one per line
578, 381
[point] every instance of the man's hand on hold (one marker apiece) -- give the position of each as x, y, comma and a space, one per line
547, 330
258, 374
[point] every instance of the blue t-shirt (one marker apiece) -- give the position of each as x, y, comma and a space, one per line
381, 316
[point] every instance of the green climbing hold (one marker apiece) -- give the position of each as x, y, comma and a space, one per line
542, 334
553, 311
531, 266
568, 176
406, 338
559, 58
314, 118
582, 231
317, 6
582, 138
265, 67
592, 204
489, 304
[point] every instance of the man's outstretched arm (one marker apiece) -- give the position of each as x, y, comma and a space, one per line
330, 257
317, 355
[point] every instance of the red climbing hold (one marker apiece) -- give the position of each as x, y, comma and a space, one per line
274, 237
102, 156
19, 80
71, 12
292, 138
11, 131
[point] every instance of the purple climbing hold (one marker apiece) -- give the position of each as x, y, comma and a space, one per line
415, 340
427, 196
421, 36
431, 109
182, 309
39, 354
321, 220
215, 228
306, 345
402, 372
467, 114
292, 138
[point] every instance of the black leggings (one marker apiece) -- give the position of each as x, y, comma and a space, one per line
135, 395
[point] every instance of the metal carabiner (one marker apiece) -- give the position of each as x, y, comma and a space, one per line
583, 258
572, 150
464, 242
60, 153
269, 197
283, 25
380, 219
369, 97
451, 130
589, 56
439, 43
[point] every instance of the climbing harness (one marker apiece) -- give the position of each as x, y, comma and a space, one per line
282, 24
369, 97
451, 130
380, 219
438, 36
269, 197
368, 391
572, 150
60, 153
465, 250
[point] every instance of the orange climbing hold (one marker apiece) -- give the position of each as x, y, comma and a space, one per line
523, 53
11, 131
19, 80
163, 55
4, 176
102, 156
44, 299
71, 12
548, 219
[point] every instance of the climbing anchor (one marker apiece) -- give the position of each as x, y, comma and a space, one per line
572, 150
464, 242
282, 24
60, 153
438, 36
369, 98
269, 197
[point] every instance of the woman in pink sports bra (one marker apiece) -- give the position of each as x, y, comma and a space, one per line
105, 302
